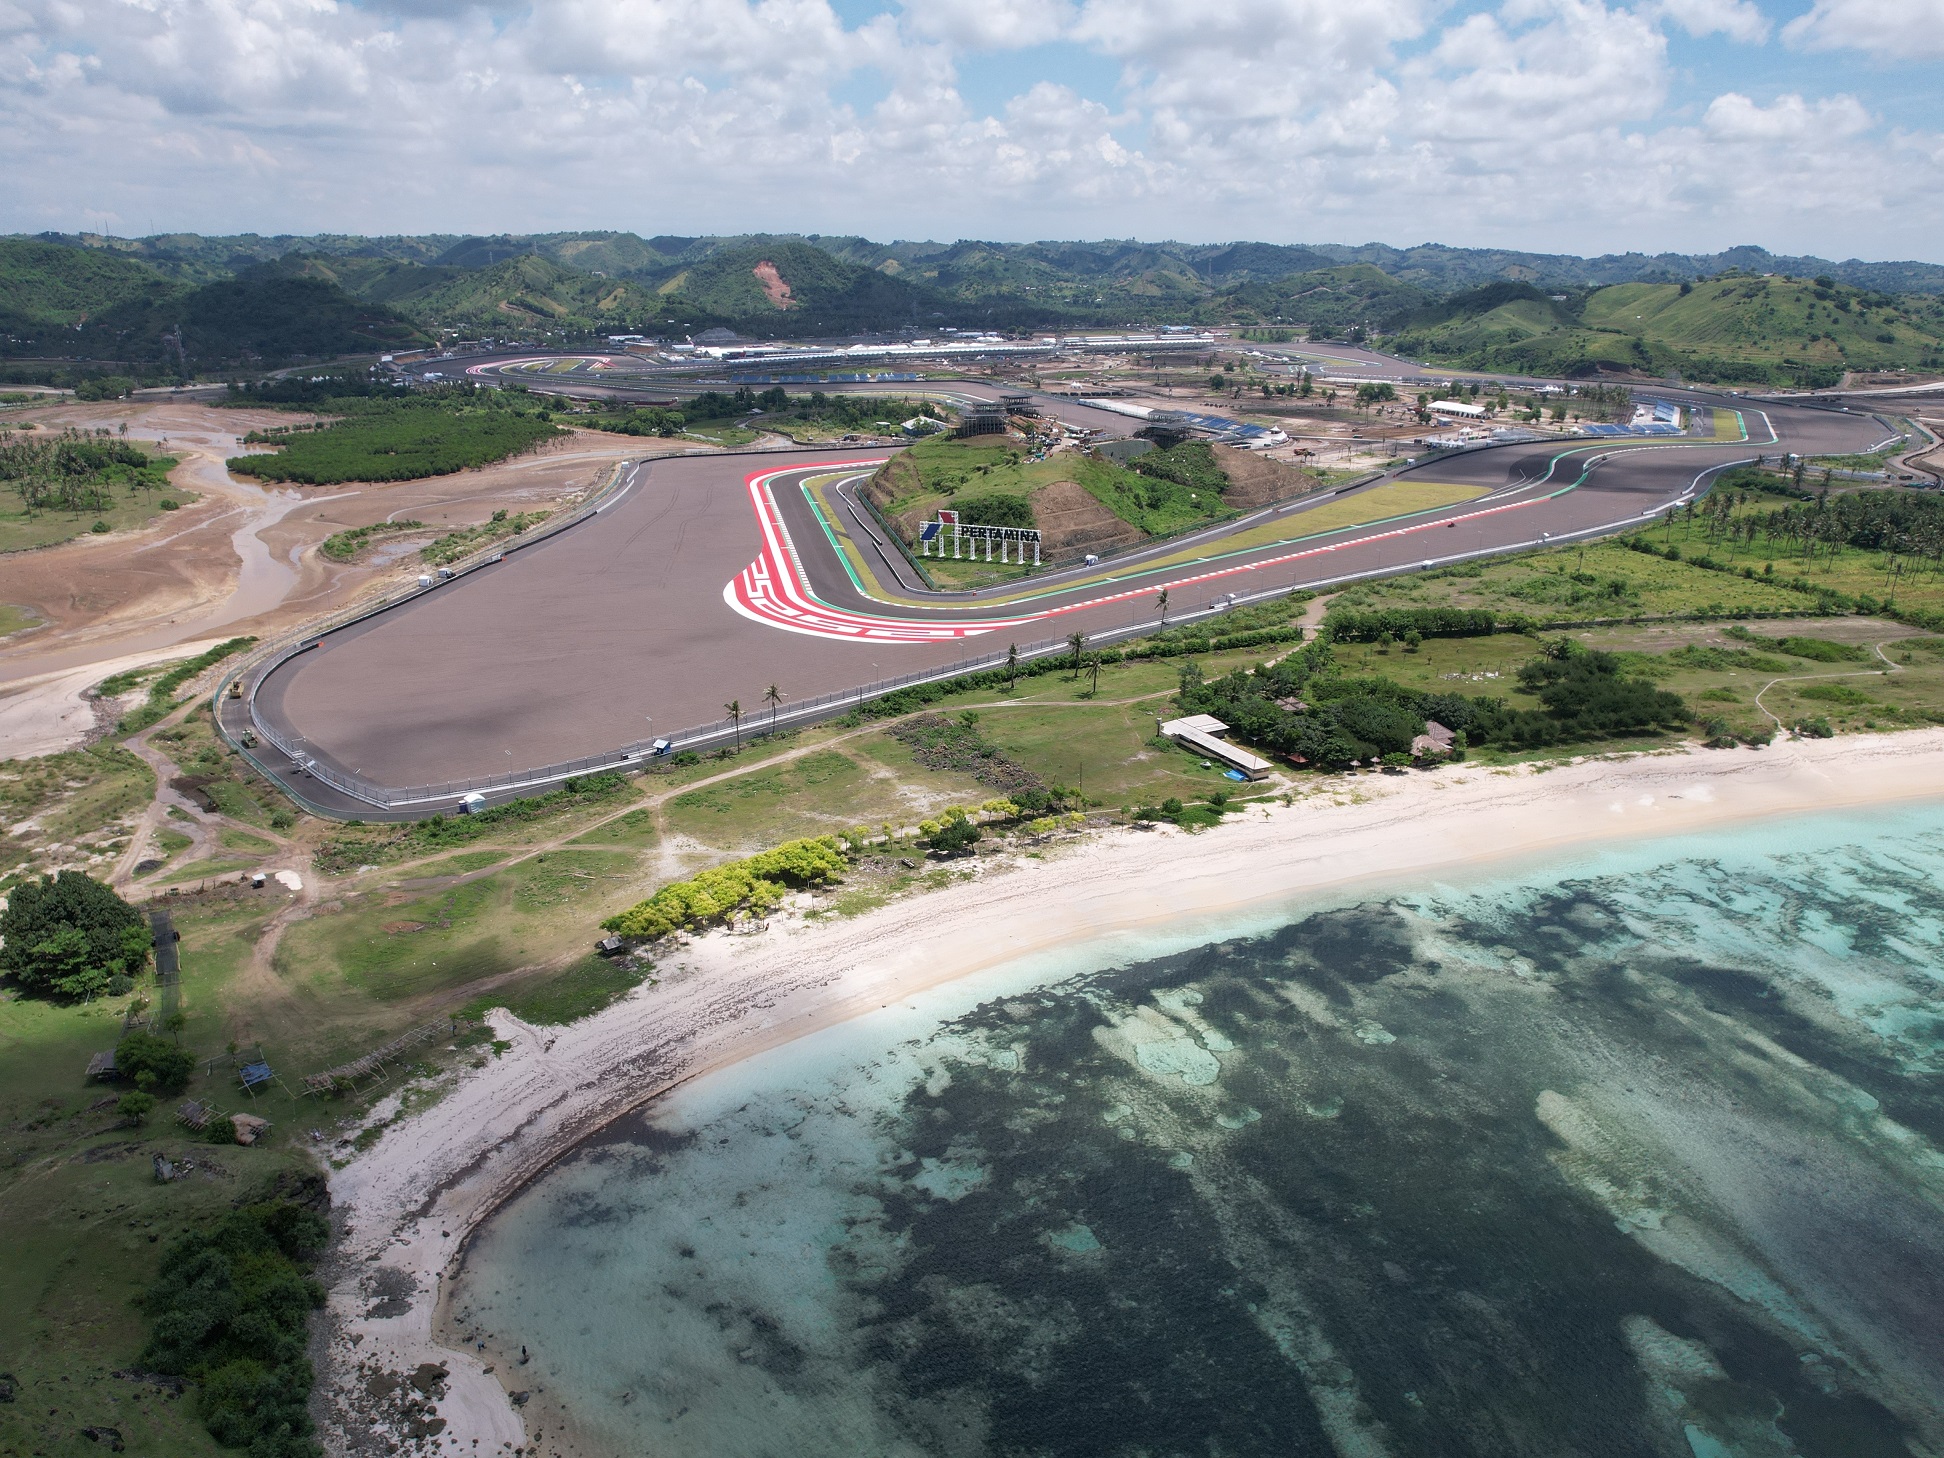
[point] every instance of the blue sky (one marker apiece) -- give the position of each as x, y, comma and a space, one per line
1554, 125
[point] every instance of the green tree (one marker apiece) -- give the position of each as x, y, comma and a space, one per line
68, 935
955, 837
734, 710
773, 696
1012, 666
1078, 643
155, 1064
135, 1106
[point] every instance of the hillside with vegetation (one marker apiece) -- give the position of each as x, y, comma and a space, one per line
187, 304
90, 304
1736, 327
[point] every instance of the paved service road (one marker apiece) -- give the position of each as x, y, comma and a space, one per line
712, 577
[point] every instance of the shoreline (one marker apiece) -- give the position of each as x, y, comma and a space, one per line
412, 1202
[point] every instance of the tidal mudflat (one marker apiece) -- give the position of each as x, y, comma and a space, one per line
1635, 1152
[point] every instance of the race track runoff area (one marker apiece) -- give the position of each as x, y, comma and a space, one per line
708, 578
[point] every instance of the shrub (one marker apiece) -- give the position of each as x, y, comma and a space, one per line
135, 1106
955, 837
230, 1309
69, 935
755, 884
995, 509
154, 1063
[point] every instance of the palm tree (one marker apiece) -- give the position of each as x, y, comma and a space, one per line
1077, 642
773, 696
1012, 666
734, 708
1094, 662
1162, 603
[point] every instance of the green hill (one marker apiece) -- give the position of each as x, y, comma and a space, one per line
98, 304
243, 321
46, 289
1483, 309
1337, 298
1734, 328
785, 286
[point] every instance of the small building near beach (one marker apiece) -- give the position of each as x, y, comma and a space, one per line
1201, 732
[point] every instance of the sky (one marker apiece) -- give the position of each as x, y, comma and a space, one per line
1580, 126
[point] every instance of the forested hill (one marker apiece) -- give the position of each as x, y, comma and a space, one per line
249, 299
68, 303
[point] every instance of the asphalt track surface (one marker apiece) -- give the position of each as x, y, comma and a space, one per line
711, 577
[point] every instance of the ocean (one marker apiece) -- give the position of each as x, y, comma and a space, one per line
1632, 1151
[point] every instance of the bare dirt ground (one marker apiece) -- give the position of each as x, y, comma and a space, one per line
242, 559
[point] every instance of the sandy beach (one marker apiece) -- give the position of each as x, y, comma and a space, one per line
411, 1201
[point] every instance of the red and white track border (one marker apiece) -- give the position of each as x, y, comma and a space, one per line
775, 590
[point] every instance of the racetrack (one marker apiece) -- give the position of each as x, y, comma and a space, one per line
712, 577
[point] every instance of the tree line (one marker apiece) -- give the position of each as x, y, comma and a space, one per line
77, 469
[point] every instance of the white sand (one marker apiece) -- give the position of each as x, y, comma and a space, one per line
52, 712
412, 1200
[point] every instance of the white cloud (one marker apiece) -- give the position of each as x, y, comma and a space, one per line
1541, 123
1891, 30
992, 25
1739, 20
1732, 117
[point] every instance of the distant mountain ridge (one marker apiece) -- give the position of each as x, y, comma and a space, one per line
250, 300
1434, 267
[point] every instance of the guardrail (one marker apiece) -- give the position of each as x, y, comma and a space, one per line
641, 752
706, 736
272, 655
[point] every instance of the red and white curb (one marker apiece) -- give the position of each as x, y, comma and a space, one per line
775, 590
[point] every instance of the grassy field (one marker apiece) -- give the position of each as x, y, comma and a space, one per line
1719, 670
119, 494
1717, 572
15, 620
82, 798
937, 471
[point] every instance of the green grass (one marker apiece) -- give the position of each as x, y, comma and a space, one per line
515, 823
161, 695
555, 998
207, 870
345, 545
15, 620
127, 507
633, 831
465, 864
86, 1221
1576, 584
81, 797
397, 441
931, 473
454, 545
816, 794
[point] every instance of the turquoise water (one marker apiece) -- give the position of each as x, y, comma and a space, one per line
1632, 1153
